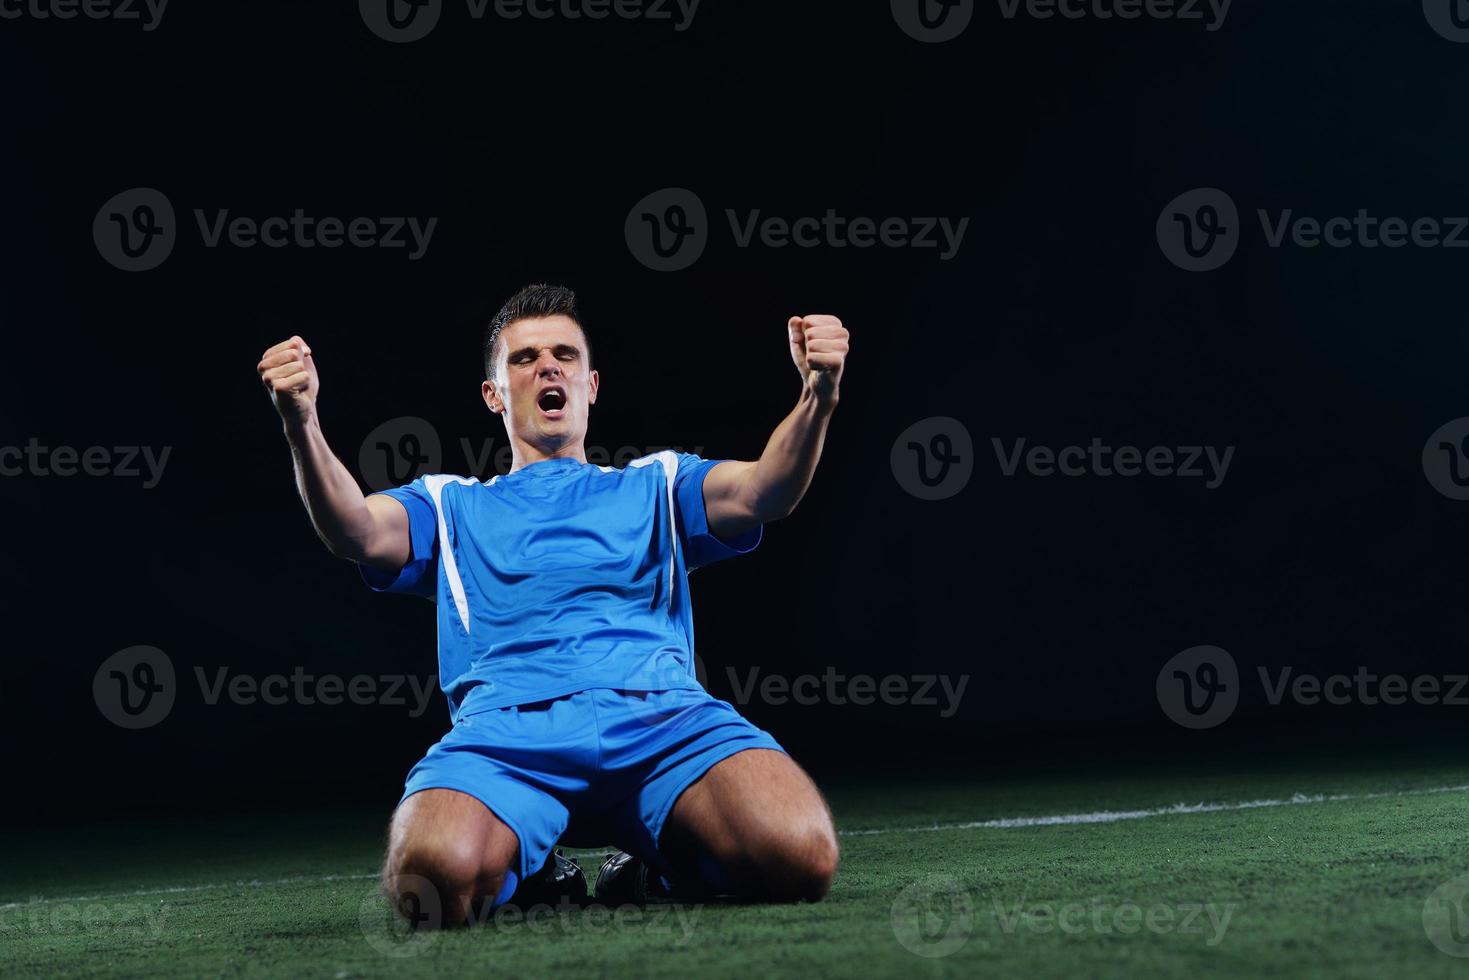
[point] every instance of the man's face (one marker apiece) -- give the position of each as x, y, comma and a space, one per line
543, 385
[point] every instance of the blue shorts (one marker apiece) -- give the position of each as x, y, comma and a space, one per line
595, 767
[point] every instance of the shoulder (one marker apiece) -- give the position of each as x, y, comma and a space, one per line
437, 481
673, 462
439, 487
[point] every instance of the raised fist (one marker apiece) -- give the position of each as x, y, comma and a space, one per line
289, 374
819, 348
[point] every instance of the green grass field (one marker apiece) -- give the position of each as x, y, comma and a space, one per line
1317, 887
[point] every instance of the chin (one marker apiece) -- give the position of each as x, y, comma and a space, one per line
552, 435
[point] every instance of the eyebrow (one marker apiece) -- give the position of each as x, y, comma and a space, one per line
557, 349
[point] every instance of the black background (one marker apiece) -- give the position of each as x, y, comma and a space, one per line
1058, 321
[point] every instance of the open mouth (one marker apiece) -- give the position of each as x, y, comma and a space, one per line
552, 402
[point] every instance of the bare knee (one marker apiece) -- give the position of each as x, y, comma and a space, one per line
792, 864
806, 864
762, 823
436, 880
439, 868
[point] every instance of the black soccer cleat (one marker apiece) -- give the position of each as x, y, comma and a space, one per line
624, 879
559, 878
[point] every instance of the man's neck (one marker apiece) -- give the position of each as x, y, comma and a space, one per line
525, 454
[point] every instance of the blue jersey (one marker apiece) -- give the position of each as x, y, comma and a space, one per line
561, 576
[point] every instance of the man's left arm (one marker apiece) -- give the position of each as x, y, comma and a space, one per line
741, 495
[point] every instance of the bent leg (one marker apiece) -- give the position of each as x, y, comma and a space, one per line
754, 824
450, 842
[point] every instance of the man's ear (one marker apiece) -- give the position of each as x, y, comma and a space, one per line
492, 398
593, 380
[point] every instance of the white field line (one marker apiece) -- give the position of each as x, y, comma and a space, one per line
1113, 816
1001, 823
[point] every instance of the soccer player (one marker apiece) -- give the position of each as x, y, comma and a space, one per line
566, 641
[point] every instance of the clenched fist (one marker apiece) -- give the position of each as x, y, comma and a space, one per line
819, 348
289, 374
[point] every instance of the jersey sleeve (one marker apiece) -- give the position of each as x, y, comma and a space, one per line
419, 576
700, 545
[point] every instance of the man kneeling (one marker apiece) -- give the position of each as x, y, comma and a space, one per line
565, 635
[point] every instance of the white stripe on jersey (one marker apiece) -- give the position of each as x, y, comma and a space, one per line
669, 459
435, 485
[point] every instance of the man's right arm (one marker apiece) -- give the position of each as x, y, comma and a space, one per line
373, 529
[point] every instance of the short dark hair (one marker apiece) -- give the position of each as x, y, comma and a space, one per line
532, 302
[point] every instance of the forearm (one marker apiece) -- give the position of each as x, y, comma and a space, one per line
336, 505
741, 495
783, 472
352, 526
